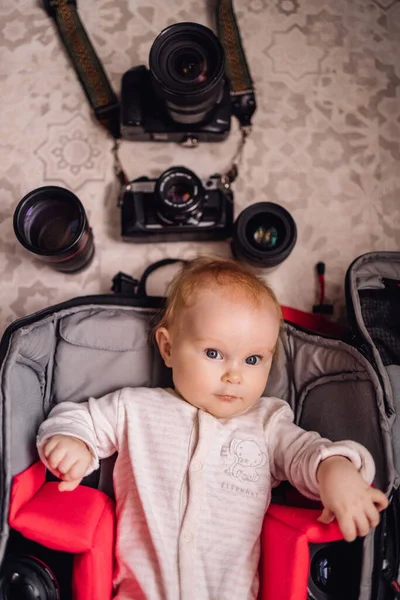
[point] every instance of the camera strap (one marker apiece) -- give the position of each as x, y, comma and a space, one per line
86, 63
238, 73
104, 101
236, 67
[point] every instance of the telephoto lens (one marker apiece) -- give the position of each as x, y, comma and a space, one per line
264, 235
187, 66
51, 223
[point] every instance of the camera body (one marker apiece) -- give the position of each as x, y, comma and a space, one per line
145, 118
177, 206
184, 95
30, 570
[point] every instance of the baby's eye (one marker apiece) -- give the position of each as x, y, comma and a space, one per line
212, 353
253, 360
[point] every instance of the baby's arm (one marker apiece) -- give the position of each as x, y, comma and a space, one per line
337, 473
76, 435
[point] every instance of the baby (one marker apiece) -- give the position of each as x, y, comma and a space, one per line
196, 463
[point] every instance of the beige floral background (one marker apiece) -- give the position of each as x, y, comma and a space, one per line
325, 144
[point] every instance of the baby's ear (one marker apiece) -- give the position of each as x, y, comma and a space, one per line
163, 340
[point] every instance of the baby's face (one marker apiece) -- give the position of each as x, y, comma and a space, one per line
221, 352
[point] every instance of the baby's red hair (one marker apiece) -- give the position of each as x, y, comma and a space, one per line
207, 272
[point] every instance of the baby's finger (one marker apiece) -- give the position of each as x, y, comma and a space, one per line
56, 456
362, 524
67, 462
379, 499
372, 515
347, 527
78, 470
68, 486
50, 444
326, 516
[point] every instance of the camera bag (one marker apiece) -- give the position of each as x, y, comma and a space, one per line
344, 387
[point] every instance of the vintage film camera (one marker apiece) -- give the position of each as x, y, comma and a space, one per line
176, 207
184, 96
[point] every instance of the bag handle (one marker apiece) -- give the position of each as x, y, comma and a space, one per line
141, 291
126, 285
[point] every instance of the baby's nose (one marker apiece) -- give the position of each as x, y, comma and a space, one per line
232, 376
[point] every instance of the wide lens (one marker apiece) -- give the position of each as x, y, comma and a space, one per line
264, 235
187, 67
51, 223
179, 195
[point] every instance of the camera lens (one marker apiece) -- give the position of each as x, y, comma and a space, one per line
27, 578
264, 235
187, 67
179, 195
335, 571
51, 223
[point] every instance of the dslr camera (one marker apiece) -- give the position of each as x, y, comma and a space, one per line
184, 96
177, 206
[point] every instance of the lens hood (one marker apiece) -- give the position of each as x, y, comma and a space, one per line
264, 234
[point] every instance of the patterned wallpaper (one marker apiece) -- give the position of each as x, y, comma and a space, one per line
325, 143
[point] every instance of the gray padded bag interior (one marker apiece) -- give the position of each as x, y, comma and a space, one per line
90, 350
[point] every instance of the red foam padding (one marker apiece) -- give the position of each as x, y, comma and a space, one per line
81, 522
24, 487
285, 557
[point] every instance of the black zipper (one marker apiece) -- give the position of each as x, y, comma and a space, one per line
391, 526
358, 340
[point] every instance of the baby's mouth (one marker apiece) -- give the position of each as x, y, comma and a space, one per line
226, 397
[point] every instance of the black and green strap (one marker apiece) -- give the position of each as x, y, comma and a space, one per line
236, 67
87, 65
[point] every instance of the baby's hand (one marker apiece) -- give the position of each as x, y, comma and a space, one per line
346, 496
68, 459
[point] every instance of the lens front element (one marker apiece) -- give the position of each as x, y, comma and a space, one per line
264, 234
51, 223
179, 195
187, 65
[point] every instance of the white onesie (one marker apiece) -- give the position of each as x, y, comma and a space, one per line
191, 490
